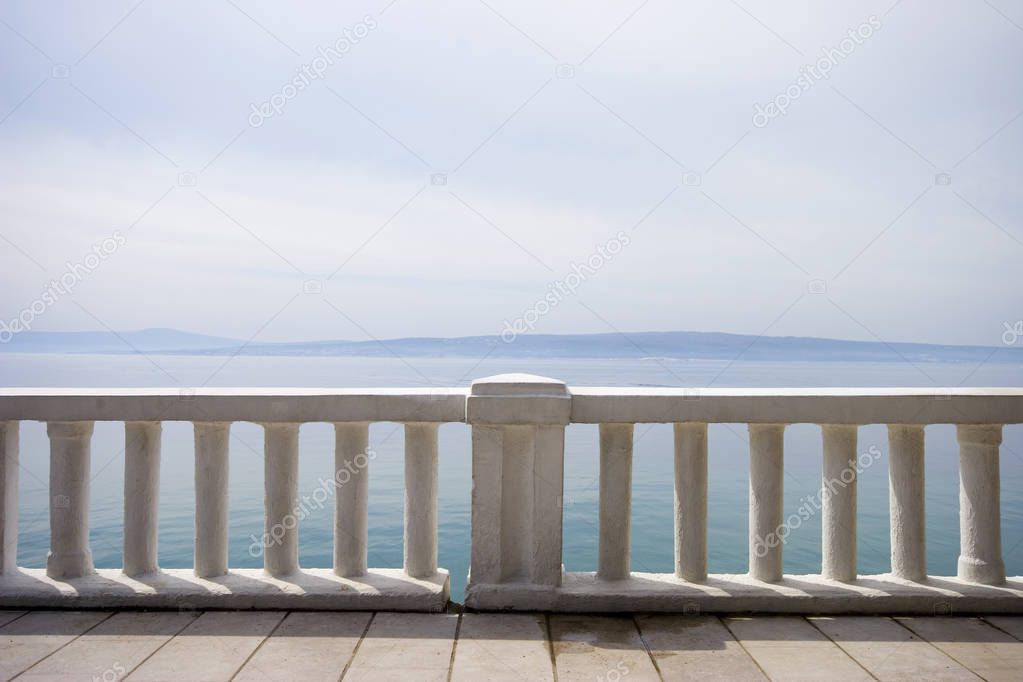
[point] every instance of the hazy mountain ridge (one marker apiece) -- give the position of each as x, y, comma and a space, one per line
146, 340
669, 345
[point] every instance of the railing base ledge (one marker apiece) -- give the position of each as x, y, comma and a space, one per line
380, 589
806, 594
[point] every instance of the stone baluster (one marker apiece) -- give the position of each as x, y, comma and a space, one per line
211, 498
906, 498
141, 496
421, 499
615, 501
980, 522
766, 501
70, 556
691, 501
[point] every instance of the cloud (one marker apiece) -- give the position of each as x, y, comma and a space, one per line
454, 170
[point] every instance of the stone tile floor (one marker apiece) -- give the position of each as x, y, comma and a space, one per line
305, 646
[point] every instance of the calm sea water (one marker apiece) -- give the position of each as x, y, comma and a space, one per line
652, 475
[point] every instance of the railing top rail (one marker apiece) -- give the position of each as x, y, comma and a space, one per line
588, 405
235, 404
799, 405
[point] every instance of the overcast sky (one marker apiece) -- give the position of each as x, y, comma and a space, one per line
452, 160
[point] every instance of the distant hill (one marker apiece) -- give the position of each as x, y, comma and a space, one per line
675, 345
146, 340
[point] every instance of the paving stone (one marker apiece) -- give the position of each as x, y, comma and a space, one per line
405, 646
789, 648
985, 650
600, 648
31, 638
502, 647
1011, 624
112, 649
696, 648
211, 649
307, 647
889, 651
7, 616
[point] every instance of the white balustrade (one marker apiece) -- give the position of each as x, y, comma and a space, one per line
518, 427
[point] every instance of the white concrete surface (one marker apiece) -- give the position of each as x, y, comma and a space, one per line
990, 653
211, 498
636, 405
790, 648
109, 650
724, 593
696, 647
518, 440
906, 498
210, 649
838, 502
889, 651
70, 455
518, 436
9, 468
405, 646
382, 589
766, 498
141, 496
222, 646
980, 515
615, 501
310, 647
351, 501
257, 405
691, 501
280, 449
31, 638
502, 647
485, 565
584, 404
600, 648
420, 499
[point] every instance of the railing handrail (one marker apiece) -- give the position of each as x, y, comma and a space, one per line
260, 405
589, 405
859, 406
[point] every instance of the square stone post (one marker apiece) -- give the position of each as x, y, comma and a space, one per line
518, 460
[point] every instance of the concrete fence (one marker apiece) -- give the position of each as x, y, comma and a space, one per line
518, 437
